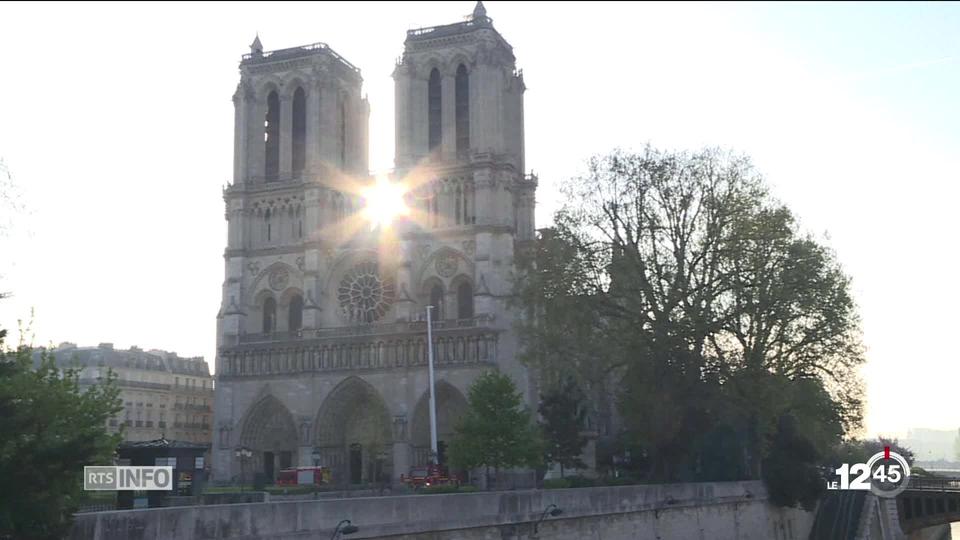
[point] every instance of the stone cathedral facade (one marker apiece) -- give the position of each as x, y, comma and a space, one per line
322, 347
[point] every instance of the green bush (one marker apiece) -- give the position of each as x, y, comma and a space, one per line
581, 481
556, 483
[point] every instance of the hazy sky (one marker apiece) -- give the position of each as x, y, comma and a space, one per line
116, 122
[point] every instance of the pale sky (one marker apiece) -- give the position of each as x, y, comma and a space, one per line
116, 123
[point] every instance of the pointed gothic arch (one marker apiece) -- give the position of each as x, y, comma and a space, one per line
270, 432
353, 418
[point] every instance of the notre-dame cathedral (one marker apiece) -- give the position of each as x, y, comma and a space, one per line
322, 339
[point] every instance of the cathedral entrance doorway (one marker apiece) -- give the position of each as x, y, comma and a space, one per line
269, 431
353, 432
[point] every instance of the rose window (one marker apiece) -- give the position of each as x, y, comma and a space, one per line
364, 295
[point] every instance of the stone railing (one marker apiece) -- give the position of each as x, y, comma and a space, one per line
294, 52
367, 331
449, 29
452, 346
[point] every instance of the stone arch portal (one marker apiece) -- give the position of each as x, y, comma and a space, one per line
353, 434
269, 431
451, 406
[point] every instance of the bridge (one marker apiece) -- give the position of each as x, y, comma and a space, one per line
928, 502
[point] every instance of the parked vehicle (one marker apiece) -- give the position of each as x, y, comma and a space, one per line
429, 475
304, 476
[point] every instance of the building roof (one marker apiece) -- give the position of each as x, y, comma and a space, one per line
68, 354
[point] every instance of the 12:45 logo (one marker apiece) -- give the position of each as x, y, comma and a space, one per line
886, 474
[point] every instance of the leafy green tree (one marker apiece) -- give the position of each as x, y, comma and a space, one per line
496, 430
790, 468
564, 417
51, 429
676, 282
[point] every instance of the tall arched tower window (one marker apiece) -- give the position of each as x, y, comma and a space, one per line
269, 315
299, 131
271, 137
436, 300
464, 301
295, 314
462, 100
433, 110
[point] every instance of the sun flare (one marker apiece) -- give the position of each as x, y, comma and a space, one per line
384, 203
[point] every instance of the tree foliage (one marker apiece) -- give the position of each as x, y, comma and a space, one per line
496, 430
51, 429
564, 417
676, 282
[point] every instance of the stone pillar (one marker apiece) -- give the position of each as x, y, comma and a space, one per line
405, 286
402, 125
238, 134
286, 136
313, 128
345, 148
328, 124
363, 134
402, 451
256, 151
448, 117
484, 201
418, 117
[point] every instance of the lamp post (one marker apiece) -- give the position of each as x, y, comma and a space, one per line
553, 510
242, 453
433, 398
344, 527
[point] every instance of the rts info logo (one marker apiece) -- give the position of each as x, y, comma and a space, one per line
128, 478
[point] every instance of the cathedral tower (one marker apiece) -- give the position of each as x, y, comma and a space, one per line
322, 348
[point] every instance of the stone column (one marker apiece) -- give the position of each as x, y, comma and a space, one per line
238, 131
484, 197
418, 117
448, 117
255, 145
345, 149
313, 129
286, 136
401, 100
328, 124
402, 451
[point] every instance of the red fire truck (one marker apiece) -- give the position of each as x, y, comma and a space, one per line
304, 476
429, 475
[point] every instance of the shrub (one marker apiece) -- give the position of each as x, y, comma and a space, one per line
556, 483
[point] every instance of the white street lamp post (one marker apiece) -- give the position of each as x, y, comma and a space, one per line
433, 398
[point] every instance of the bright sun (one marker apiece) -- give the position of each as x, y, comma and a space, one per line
384, 202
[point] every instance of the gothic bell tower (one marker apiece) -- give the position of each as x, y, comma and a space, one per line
459, 140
